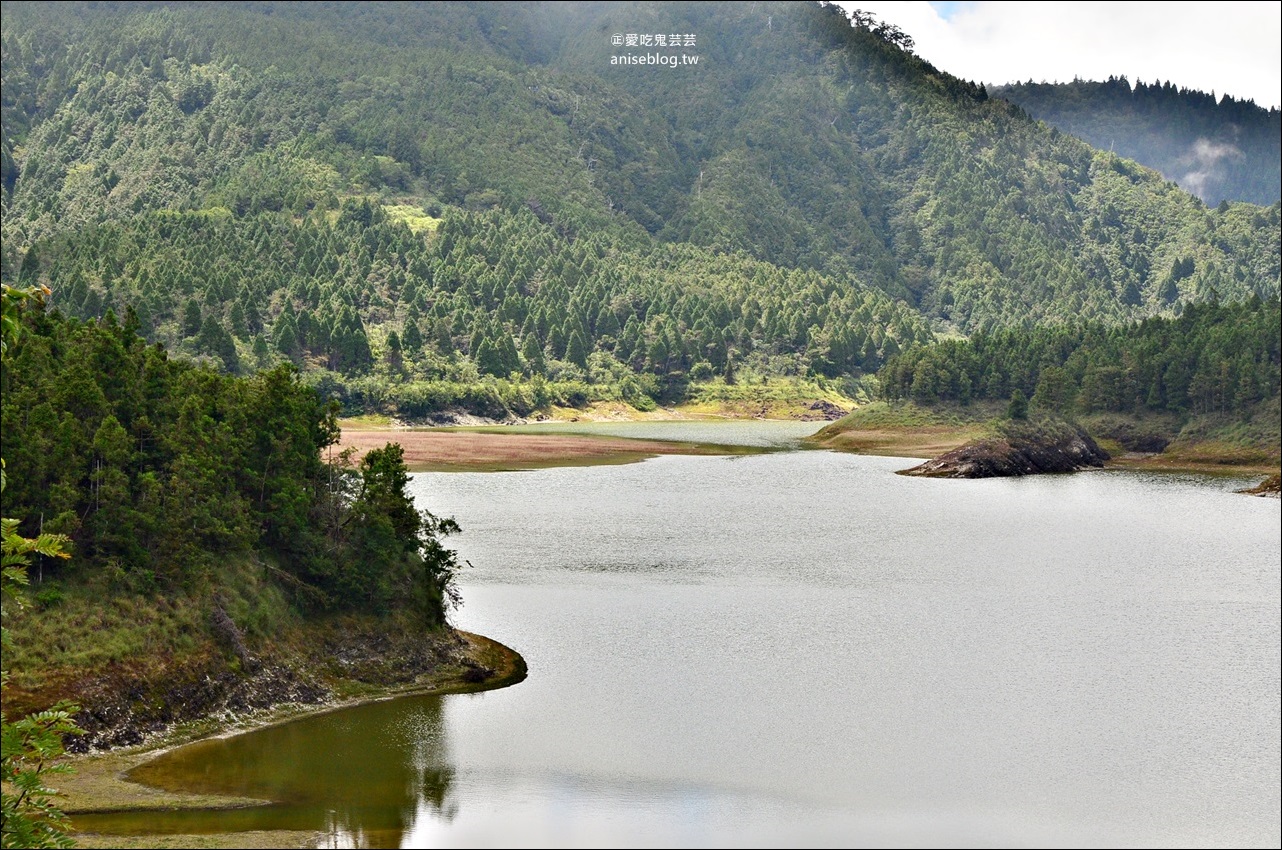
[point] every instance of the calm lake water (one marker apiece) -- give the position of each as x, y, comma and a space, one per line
804, 649
761, 433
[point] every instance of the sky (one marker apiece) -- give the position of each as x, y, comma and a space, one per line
1225, 47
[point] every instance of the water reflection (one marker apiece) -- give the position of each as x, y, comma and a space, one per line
363, 784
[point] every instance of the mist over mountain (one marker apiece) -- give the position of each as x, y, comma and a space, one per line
1225, 149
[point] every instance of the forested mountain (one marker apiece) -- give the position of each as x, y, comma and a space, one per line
407, 198
1225, 149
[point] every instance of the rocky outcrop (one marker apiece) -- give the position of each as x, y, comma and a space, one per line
1269, 488
119, 707
125, 705
822, 411
1019, 448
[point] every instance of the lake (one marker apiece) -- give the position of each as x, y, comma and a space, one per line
805, 649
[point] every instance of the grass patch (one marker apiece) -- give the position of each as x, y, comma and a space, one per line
413, 217
1119, 433
92, 623
90, 629
367, 421
1258, 436
884, 415
1208, 443
772, 398
905, 430
605, 411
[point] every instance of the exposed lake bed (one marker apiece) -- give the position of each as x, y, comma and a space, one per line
539, 445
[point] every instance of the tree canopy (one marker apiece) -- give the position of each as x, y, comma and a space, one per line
160, 471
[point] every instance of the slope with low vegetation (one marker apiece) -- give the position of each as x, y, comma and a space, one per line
1200, 391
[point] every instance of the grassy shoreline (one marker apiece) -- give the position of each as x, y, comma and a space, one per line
910, 431
877, 428
99, 784
472, 444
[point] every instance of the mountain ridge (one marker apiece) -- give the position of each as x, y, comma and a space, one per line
1225, 149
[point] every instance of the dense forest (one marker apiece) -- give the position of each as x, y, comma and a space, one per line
178, 528
427, 206
1225, 149
379, 314
162, 472
1214, 358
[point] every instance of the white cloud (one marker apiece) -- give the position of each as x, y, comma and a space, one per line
1228, 48
1204, 159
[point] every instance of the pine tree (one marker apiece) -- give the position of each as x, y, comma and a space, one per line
508, 356
532, 352
487, 358
285, 338
192, 318
441, 338
576, 350
394, 350
1018, 407
412, 339
260, 350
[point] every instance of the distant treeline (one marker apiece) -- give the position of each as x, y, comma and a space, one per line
1225, 149
163, 471
1213, 358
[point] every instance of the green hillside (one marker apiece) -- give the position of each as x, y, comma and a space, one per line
407, 198
160, 471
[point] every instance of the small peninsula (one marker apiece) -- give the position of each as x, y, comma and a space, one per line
1019, 448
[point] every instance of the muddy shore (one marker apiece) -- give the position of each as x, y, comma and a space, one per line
442, 450
98, 783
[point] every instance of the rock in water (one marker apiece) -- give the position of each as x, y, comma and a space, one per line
1027, 448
